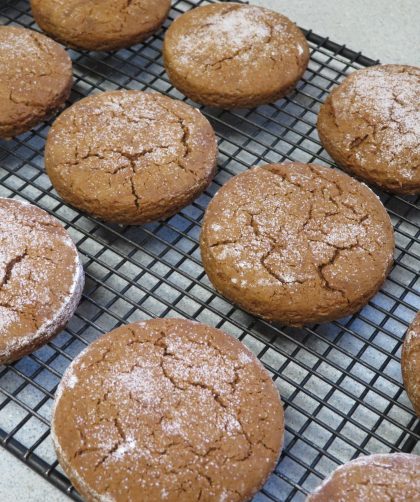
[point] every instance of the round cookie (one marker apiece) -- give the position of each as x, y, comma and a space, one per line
41, 278
35, 79
100, 25
296, 243
370, 125
169, 410
232, 55
130, 157
410, 363
374, 478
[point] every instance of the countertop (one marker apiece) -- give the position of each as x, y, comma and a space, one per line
381, 29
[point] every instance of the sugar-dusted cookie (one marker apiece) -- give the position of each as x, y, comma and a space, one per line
232, 55
41, 278
370, 125
297, 243
35, 79
130, 156
167, 410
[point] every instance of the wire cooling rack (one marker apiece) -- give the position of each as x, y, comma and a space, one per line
340, 382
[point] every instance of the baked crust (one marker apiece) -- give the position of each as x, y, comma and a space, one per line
35, 79
130, 157
167, 409
297, 243
41, 278
374, 478
370, 125
100, 25
410, 363
232, 55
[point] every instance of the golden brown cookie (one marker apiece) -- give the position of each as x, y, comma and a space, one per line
297, 243
370, 125
100, 25
35, 79
167, 410
410, 363
232, 55
373, 478
41, 278
129, 156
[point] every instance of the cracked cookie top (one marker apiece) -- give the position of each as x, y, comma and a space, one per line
410, 363
41, 278
297, 243
35, 79
373, 478
234, 55
167, 410
130, 156
100, 24
371, 125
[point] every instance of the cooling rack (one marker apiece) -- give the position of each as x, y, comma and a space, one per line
340, 382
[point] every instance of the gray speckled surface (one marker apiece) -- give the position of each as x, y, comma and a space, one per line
18, 483
381, 29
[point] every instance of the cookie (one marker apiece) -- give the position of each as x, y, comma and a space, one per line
169, 410
130, 157
41, 278
100, 25
232, 55
296, 243
410, 363
370, 125
374, 478
35, 79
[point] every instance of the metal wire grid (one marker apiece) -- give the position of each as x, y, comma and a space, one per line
340, 382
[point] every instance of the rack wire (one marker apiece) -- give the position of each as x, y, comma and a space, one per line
340, 382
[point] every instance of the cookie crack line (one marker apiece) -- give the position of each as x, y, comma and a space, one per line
386, 118
39, 45
123, 434
10, 266
274, 244
178, 161
242, 50
298, 244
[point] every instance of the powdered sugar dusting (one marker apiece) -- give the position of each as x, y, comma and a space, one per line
162, 397
30, 308
284, 230
18, 44
35, 75
243, 35
393, 476
140, 383
236, 29
126, 145
126, 448
381, 108
411, 336
119, 128
245, 358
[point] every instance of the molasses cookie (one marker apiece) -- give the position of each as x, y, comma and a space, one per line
232, 55
410, 363
297, 243
374, 478
167, 410
129, 156
35, 79
370, 125
41, 278
100, 25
